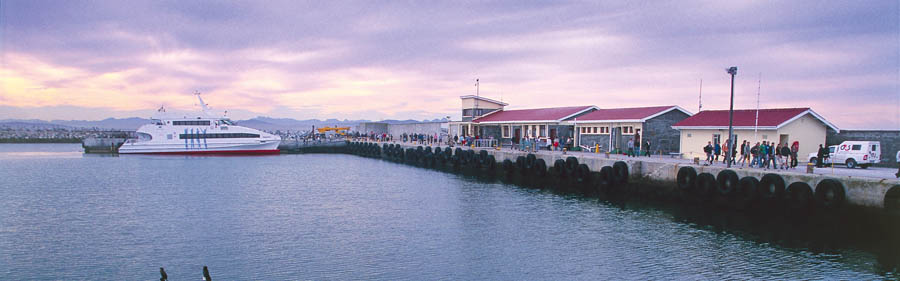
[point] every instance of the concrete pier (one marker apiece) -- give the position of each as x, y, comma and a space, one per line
660, 173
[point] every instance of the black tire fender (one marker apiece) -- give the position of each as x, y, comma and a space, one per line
706, 186
604, 179
540, 168
583, 174
771, 187
727, 182
620, 172
830, 194
799, 196
686, 178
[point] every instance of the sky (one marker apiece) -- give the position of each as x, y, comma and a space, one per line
90, 60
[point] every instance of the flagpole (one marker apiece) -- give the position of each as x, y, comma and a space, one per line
756, 122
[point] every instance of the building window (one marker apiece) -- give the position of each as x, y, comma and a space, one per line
689, 135
542, 130
716, 138
505, 131
628, 130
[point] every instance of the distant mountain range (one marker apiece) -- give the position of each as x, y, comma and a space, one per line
262, 123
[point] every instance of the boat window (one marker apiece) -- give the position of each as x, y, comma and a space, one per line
144, 136
219, 136
191, 123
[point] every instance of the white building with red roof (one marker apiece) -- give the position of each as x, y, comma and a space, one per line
611, 129
585, 125
781, 125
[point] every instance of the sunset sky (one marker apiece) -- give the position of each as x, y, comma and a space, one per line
413, 59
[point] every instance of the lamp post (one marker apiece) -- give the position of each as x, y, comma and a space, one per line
733, 71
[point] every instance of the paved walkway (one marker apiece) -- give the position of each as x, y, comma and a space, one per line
872, 172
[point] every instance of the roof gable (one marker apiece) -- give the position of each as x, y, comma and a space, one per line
629, 114
552, 114
768, 118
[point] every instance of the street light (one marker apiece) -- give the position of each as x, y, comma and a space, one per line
733, 71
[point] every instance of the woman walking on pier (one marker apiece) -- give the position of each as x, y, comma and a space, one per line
717, 149
795, 147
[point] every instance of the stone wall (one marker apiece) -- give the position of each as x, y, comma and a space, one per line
378, 128
890, 142
659, 130
428, 128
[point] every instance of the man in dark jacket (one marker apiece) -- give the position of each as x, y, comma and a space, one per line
647, 148
708, 150
820, 156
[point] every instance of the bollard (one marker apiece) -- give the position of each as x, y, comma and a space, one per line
810, 167
564, 150
696, 160
607, 154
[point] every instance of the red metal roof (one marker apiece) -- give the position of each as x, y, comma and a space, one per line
742, 118
537, 114
634, 113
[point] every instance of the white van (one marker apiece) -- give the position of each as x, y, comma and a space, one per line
852, 154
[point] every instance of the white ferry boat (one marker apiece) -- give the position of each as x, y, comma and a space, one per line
198, 135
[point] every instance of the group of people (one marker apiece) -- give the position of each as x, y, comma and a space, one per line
761, 155
635, 149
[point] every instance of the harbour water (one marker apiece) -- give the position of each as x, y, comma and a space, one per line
69, 216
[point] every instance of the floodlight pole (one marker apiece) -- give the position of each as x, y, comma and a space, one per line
733, 71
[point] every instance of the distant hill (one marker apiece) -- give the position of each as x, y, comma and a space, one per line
261, 122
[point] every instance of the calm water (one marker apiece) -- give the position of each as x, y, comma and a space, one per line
66, 216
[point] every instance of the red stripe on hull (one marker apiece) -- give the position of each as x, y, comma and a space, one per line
215, 152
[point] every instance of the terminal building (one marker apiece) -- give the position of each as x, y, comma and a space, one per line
783, 125
588, 126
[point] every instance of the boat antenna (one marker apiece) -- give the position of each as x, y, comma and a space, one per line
203, 104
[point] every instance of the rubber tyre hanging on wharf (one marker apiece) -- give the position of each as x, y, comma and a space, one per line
529, 161
686, 178
489, 165
508, 167
706, 187
771, 188
620, 173
830, 194
747, 193
727, 182
604, 180
559, 168
799, 196
540, 168
520, 165
571, 165
582, 174
482, 157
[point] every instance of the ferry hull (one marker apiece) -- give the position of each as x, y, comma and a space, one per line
213, 149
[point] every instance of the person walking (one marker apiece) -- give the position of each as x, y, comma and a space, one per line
772, 150
630, 146
820, 156
898, 161
725, 152
647, 150
795, 148
717, 149
744, 151
786, 151
754, 151
764, 155
708, 149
